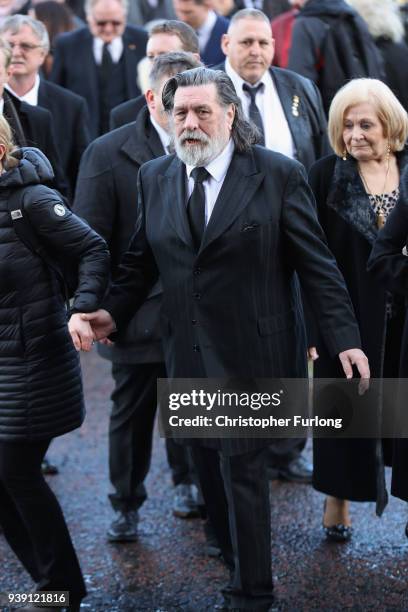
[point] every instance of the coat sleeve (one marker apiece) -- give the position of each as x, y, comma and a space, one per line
319, 275
137, 272
66, 235
388, 261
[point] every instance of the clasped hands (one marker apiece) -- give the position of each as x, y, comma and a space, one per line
87, 328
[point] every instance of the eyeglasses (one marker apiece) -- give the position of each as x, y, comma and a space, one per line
25, 47
104, 22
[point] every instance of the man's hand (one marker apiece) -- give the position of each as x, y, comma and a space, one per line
101, 322
356, 357
81, 333
312, 353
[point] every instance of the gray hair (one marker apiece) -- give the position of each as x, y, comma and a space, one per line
169, 64
89, 4
243, 133
249, 13
382, 18
186, 34
14, 23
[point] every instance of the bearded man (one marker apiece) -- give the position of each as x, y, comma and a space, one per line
226, 225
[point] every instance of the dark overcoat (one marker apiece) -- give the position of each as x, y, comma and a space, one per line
71, 126
106, 197
40, 378
232, 309
352, 469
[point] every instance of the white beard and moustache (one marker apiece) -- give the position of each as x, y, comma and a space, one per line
202, 153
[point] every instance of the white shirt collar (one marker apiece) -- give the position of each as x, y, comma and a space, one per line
31, 97
238, 82
1, 105
218, 167
164, 136
115, 49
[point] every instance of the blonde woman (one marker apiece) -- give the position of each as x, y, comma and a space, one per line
355, 190
40, 381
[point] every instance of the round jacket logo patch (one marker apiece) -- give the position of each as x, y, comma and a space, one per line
59, 210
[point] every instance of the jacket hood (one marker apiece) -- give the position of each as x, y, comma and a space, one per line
33, 169
318, 8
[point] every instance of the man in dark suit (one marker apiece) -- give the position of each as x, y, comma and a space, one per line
286, 107
164, 37
207, 24
105, 197
99, 62
227, 225
288, 112
29, 42
31, 126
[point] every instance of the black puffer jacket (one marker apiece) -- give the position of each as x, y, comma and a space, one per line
40, 380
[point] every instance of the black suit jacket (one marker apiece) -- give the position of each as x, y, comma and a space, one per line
71, 126
33, 126
306, 119
74, 66
126, 112
241, 287
106, 197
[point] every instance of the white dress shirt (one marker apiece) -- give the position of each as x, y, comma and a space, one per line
165, 138
1, 105
277, 133
115, 48
212, 186
204, 32
31, 97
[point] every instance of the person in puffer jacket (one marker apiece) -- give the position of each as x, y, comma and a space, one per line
40, 379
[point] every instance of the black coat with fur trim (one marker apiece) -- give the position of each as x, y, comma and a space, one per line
353, 469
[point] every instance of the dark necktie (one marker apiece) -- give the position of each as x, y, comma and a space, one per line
196, 206
106, 65
254, 113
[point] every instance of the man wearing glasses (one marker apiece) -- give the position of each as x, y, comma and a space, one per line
99, 62
29, 43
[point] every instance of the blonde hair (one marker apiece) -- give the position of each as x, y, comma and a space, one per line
6, 139
391, 114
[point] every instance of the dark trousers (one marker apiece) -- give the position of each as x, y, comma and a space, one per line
131, 434
32, 520
236, 495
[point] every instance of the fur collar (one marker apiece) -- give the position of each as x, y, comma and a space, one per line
348, 198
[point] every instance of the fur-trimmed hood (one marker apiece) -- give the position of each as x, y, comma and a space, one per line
348, 197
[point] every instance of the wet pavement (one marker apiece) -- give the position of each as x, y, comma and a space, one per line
166, 570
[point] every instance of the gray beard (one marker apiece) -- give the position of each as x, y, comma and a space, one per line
200, 154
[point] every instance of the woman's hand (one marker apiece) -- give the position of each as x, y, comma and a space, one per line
81, 332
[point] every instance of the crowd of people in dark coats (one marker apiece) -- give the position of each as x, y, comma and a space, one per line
228, 179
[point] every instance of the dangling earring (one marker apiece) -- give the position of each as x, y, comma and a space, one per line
344, 157
388, 151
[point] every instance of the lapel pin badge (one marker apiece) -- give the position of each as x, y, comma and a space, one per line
131, 47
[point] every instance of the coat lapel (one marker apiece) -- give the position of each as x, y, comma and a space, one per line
130, 57
143, 143
240, 184
291, 99
348, 198
172, 187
